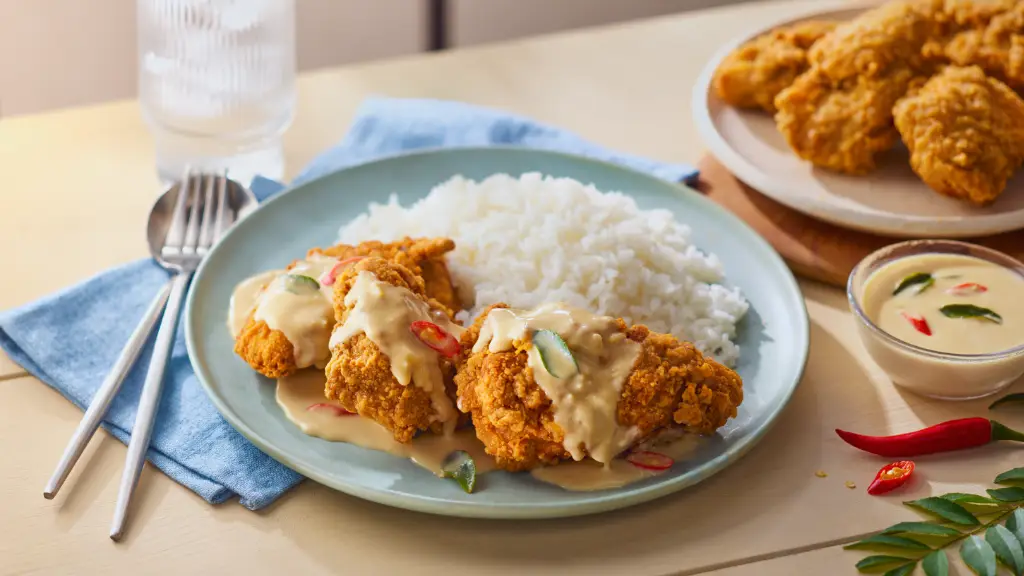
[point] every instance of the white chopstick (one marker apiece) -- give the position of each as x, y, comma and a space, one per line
149, 402
106, 392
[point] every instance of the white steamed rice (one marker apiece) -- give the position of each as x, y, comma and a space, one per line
540, 239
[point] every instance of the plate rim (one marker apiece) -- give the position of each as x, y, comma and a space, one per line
601, 502
763, 183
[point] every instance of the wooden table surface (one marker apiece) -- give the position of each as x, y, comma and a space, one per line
77, 185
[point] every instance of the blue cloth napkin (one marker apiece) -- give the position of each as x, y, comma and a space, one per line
70, 340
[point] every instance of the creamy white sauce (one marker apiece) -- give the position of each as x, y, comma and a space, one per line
296, 393
584, 401
589, 475
1003, 293
385, 313
244, 298
304, 316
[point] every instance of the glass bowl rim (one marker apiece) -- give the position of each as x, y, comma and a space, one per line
859, 313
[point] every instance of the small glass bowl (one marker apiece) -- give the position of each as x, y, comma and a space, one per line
941, 375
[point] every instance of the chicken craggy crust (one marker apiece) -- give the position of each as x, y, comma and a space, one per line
879, 41
671, 384
965, 133
838, 114
267, 351
270, 353
423, 256
994, 42
753, 74
841, 127
359, 374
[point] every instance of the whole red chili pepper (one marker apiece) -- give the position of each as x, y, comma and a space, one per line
944, 437
891, 476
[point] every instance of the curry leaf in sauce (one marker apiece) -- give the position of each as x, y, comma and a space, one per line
920, 280
970, 311
459, 466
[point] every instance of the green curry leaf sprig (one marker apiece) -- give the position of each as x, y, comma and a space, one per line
989, 532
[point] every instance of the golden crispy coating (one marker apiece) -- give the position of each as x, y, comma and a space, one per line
753, 74
270, 353
671, 384
961, 14
880, 41
965, 133
267, 351
997, 46
359, 375
423, 256
511, 414
838, 114
841, 127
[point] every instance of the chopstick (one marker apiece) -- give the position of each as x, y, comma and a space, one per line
149, 402
106, 392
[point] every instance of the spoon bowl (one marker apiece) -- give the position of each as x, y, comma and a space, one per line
241, 202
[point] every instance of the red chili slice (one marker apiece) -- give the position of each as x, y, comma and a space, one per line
436, 338
328, 277
891, 476
338, 410
918, 322
967, 288
650, 460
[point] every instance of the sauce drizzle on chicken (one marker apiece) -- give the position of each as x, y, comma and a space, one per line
585, 400
385, 314
301, 310
245, 297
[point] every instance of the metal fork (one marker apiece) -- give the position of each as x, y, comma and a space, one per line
200, 216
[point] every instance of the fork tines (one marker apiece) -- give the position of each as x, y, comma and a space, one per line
189, 234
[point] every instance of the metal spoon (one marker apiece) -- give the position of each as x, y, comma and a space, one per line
240, 203
182, 229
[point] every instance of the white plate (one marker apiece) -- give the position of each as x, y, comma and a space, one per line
891, 201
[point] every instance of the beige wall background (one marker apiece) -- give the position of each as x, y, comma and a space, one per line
61, 53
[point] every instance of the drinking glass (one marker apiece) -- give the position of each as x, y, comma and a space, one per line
217, 83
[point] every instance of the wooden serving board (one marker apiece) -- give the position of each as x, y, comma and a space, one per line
812, 248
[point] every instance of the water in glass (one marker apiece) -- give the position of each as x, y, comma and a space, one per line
217, 83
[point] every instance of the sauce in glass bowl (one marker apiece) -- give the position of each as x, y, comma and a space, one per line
948, 303
942, 318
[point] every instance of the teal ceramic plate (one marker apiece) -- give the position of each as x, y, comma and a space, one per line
773, 336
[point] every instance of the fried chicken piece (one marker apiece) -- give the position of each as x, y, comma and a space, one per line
880, 41
360, 375
753, 74
997, 47
838, 114
965, 133
671, 385
423, 256
963, 14
841, 127
269, 351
